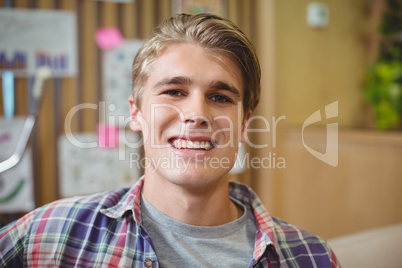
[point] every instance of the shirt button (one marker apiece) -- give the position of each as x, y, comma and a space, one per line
148, 263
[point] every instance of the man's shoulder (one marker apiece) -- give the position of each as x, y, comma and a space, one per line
288, 232
64, 217
77, 206
297, 244
65, 227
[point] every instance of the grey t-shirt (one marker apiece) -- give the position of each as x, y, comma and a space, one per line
178, 244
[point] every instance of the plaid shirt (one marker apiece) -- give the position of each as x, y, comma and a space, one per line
104, 230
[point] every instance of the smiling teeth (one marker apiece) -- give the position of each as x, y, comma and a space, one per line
186, 144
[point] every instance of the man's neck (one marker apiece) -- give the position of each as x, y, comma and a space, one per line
202, 206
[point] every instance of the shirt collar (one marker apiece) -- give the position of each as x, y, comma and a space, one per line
129, 202
265, 237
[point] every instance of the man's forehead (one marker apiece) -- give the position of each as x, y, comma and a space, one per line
175, 51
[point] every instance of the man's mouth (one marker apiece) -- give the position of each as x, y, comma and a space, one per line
193, 145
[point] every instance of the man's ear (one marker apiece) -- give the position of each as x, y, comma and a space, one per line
134, 114
244, 127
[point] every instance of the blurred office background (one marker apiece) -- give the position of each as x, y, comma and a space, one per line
305, 67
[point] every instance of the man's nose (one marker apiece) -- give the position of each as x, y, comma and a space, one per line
197, 112
197, 121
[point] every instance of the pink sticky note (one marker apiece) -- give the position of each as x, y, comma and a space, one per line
108, 37
108, 136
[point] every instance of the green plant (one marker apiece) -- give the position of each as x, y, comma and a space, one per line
383, 83
384, 91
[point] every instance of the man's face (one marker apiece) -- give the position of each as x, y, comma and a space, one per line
191, 116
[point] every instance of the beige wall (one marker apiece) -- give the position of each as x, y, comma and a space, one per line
317, 66
307, 69
364, 191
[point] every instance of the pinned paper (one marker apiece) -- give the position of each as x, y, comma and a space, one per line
117, 86
217, 7
16, 184
116, 1
108, 136
86, 171
108, 37
34, 38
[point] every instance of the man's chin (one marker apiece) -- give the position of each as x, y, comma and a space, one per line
191, 177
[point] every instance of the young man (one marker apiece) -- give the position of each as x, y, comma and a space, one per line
195, 84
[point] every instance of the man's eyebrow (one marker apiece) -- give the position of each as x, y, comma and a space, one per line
177, 80
224, 86
186, 81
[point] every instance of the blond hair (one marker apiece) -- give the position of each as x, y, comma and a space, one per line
210, 32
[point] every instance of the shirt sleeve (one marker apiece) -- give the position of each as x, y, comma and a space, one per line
334, 260
12, 237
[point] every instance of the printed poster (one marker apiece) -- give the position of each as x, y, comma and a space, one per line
16, 184
116, 72
33, 38
85, 168
218, 7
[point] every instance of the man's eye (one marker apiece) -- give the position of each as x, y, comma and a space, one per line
220, 98
173, 92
